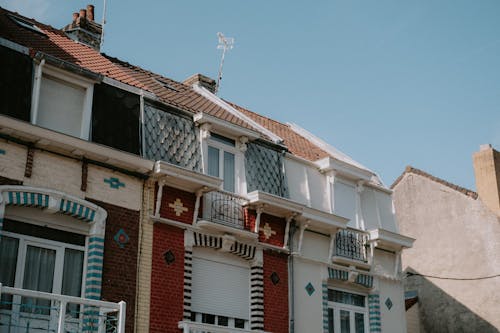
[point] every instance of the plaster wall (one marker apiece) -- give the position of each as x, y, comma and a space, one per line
308, 308
393, 318
12, 160
315, 246
413, 320
456, 236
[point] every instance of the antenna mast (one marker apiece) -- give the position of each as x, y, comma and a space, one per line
103, 23
225, 43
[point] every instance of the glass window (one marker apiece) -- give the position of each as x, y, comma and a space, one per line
229, 172
61, 106
8, 261
350, 309
213, 161
38, 275
72, 277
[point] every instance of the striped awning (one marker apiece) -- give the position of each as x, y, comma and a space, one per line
342, 275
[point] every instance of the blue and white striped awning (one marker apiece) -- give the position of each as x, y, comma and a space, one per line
342, 275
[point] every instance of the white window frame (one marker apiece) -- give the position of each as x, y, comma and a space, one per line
42, 69
59, 247
352, 309
239, 162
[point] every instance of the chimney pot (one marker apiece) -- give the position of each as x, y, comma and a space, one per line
90, 12
486, 146
83, 13
201, 80
75, 17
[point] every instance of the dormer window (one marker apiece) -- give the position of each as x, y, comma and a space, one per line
221, 160
62, 102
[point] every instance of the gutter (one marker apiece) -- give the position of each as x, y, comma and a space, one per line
291, 292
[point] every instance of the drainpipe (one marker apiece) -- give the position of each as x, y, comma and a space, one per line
291, 291
36, 91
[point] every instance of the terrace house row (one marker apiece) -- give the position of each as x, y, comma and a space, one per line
132, 202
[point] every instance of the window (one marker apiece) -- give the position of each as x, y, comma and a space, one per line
220, 289
62, 102
222, 160
347, 312
53, 264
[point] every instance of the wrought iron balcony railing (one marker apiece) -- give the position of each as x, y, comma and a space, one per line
351, 244
192, 327
224, 208
23, 310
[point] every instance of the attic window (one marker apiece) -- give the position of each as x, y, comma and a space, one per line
165, 84
26, 24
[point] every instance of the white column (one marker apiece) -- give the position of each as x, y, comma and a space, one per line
302, 228
360, 223
330, 178
199, 193
260, 209
159, 195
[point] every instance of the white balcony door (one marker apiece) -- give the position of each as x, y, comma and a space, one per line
41, 265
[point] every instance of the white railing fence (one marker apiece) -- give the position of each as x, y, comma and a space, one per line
23, 310
192, 327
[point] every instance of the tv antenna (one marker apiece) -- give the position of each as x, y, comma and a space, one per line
103, 23
225, 43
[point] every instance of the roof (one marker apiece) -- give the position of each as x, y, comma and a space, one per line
296, 144
55, 43
412, 170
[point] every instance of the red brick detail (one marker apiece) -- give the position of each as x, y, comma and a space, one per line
277, 224
8, 181
167, 281
169, 195
119, 275
275, 296
250, 217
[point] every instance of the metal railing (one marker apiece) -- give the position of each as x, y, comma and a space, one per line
192, 327
23, 310
225, 208
351, 244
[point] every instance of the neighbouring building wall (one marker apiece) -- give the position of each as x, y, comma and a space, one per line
392, 305
413, 320
456, 237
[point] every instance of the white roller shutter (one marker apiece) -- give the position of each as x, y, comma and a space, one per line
220, 287
345, 201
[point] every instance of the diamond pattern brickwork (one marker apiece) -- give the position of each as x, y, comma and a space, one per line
171, 138
264, 170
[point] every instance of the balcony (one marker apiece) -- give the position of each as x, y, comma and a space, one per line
30, 311
192, 327
224, 208
352, 245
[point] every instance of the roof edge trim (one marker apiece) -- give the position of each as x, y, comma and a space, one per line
215, 99
14, 46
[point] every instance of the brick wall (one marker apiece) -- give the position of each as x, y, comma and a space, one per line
275, 296
169, 196
167, 281
277, 224
120, 264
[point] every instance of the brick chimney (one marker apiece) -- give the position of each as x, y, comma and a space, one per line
201, 80
487, 172
84, 29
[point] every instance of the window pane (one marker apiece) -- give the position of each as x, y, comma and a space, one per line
213, 161
222, 139
359, 321
222, 321
346, 298
344, 322
38, 275
72, 278
228, 171
239, 323
208, 318
330, 321
8, 261
61, 106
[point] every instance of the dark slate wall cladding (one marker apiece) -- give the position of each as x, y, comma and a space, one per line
115, 118
264, 170
15, 84
171, 138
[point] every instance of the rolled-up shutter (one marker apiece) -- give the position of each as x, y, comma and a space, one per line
220, 284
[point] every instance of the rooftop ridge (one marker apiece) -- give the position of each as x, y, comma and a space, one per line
410, 169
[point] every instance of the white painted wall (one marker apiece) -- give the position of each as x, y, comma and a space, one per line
393, 320
315, 246
13, 161
308, 309
345, 200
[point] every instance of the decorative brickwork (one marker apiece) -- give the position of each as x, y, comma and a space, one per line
256, 297
168, 209
276, 224
85, 172
29, 162
120, 264
167, 281
374, 313
275, 296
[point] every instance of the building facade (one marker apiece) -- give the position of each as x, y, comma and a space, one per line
453, 265
200, 215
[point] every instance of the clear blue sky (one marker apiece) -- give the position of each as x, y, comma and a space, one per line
390, 83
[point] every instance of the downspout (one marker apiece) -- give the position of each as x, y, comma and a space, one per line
291, 288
